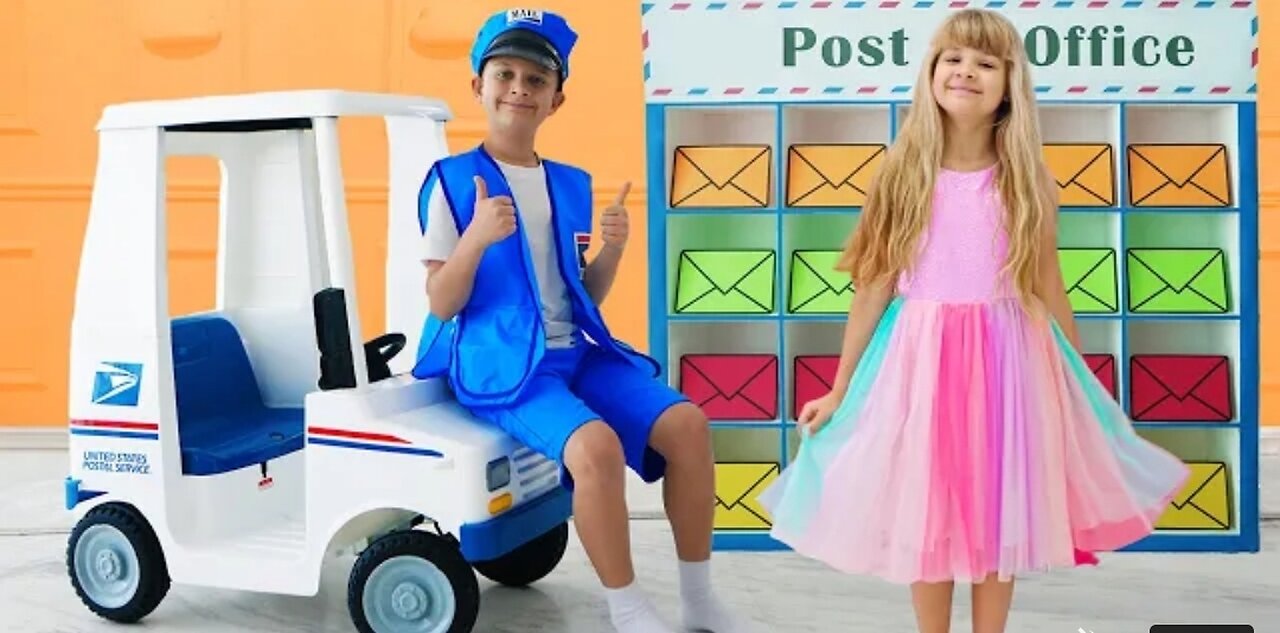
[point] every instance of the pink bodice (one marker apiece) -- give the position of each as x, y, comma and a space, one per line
964, 247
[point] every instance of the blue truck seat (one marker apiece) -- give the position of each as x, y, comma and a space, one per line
222, 423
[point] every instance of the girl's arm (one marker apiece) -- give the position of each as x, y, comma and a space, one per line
1052, 290
865, 311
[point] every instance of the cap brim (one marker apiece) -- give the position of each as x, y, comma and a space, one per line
527, 46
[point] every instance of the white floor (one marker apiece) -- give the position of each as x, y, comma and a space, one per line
779, 592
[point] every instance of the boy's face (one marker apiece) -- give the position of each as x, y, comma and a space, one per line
516, 93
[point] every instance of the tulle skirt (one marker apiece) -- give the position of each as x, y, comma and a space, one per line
972, 440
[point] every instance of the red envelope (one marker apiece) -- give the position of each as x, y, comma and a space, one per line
1180, 387
1104, 367
732, 386
814, 375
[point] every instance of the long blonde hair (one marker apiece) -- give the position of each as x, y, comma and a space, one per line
898, 203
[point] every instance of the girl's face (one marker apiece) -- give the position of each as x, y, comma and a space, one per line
969, 84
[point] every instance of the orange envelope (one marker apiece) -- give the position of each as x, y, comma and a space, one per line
1179, 175
831, 175
721, 176
1085, 173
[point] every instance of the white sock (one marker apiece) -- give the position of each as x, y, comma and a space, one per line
631, 612
703, 611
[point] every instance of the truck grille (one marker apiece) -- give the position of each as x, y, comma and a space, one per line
532, 474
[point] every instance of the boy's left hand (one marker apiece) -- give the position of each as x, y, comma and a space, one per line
614, 227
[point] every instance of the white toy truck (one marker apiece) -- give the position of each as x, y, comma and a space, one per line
241, 447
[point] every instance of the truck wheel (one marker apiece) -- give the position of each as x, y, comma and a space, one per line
413, 581
116, 564
530, 562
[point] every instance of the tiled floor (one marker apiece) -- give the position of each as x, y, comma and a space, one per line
779, 592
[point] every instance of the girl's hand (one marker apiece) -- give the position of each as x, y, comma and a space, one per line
816, 413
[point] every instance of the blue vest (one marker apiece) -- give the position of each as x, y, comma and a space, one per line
490, 349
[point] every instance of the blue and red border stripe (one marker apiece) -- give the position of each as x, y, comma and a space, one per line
754, 5
682, 6
1075, 90
116, 428
360, 440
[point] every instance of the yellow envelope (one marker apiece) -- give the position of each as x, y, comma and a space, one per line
737, 486
831, 175
1204, 503
1085, 173
1189, 175
721, 176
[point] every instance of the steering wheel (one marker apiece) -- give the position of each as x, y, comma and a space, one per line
379, 352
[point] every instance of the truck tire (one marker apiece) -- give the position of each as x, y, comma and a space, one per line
413, 581
530, 562
116, 564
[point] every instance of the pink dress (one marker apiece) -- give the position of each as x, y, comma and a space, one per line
973, 438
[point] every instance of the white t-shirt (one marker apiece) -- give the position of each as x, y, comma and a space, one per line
533, 206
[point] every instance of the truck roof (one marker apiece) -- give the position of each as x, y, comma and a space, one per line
267, 106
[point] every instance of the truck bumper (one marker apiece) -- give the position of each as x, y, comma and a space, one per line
500, 535
74, 495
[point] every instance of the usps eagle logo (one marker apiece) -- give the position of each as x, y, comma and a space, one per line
117, 384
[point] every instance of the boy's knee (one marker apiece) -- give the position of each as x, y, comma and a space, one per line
593, 452
683, 430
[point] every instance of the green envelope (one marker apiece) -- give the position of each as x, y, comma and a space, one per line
815, 286
725, 282
1178, 280
1090, 277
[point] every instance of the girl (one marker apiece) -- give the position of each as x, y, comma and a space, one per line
965, 438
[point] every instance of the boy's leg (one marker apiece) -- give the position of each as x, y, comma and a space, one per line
682, 436
665, 436
550, 419
593, 457
594, 461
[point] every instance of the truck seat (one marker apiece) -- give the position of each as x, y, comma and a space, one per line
222, 423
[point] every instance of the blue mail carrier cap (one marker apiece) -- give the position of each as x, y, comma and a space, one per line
539, 36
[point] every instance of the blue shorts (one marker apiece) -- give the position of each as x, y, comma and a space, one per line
574, 386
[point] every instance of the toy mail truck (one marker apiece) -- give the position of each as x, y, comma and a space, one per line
242, 447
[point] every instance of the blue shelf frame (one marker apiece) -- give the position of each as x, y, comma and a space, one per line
1244, 538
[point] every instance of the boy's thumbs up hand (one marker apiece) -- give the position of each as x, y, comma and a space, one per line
494, 219
614, 225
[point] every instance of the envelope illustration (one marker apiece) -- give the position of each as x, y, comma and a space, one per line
1090, 277
725, 282
732, 386
737, 487
721, 176
1085, 173
814, 376
1169, 175
1204, 503
816, 287
1178, 280
831, 174
1104, 367
1180, 388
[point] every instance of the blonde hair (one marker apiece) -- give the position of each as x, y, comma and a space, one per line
898, 203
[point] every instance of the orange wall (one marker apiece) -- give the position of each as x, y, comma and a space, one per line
145, 49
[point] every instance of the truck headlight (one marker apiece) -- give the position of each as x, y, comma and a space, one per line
498, 473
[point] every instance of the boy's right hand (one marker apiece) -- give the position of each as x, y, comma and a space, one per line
494, 219
816, 413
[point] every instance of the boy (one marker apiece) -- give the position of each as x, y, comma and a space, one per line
504, 241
